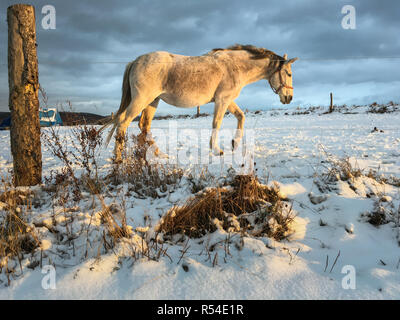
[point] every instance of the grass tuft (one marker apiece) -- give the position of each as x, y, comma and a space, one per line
145, 178
244, 204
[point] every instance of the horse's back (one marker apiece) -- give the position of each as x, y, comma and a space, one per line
183, 81
191, 80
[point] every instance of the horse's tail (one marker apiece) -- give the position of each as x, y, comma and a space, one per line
125, 100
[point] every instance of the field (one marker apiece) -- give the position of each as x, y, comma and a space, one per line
336, 175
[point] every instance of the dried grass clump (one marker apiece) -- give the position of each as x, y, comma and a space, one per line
117, 232
146, 178
11, 197
385, 211
392, 180
341, 170
378, 216
17, 238
382, 108
85, 143
114, 218
243, 205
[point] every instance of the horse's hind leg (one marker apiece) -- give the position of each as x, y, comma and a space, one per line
135, 107
239, 114
145, 121
147, 116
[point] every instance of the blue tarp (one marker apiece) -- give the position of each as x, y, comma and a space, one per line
6, 123
48, 117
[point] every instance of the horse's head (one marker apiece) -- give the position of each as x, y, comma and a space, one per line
281, 80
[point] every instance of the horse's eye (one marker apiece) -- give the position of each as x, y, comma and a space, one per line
289, 74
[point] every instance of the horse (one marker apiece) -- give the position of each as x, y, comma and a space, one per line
189, 81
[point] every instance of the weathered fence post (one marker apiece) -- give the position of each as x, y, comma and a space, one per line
198, 111
23, 95
331, 105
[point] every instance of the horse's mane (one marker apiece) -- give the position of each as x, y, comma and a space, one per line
257, 53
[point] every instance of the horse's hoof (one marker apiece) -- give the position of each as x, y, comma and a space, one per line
217, 152
235, 145
117, 161
162, 155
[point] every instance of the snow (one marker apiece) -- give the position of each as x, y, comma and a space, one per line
291, 150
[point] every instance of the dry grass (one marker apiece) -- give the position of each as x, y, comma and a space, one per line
114, 218
145, 178
392, 180
17, 238
382, 108
341, 170
86, 142
116, 231
200, 180
383, 212
377, 216
85, 145
243, 205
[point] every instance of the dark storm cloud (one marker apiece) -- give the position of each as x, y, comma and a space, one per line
84, 58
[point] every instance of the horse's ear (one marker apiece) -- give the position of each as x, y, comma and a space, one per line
291, 60
285, 56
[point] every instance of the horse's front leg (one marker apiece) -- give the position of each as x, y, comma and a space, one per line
219, 112
239, 114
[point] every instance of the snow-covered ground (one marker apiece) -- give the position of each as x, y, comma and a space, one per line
294, 150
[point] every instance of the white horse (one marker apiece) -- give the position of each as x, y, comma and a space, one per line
186, 81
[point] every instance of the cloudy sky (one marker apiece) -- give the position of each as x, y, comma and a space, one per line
83, 59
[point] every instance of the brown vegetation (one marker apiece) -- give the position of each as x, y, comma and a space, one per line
243, 205
145, 178
17, 237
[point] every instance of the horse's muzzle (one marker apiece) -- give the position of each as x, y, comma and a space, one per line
288, 99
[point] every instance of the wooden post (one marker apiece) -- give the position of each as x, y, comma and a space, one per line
198, 111
331, 105
23, 95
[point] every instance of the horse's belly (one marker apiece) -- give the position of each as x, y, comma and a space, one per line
185, 101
